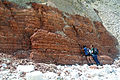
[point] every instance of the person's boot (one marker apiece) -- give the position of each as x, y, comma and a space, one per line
88, 64
91, 64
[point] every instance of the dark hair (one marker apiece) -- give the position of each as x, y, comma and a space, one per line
84, 46
92, 45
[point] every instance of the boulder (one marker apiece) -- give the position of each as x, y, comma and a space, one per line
36, 75
105, 59
53, 48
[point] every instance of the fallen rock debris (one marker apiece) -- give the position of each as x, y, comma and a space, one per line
26, 69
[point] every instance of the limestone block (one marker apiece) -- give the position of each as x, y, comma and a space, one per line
25, 68
36, 75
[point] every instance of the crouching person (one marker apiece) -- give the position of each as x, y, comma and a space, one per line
87, 55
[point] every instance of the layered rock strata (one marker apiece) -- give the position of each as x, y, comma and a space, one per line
51, 35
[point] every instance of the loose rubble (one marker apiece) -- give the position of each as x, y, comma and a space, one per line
26, 69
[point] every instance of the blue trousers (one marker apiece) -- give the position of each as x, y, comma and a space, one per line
95, 59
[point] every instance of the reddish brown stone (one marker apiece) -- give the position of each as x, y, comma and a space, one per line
105, 59
52, 36
44, 40
12, 36
93, 67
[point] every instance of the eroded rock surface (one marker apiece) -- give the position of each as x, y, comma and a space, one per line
51, 35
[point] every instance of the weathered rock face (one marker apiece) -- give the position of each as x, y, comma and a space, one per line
58, 42
53, 36
50, 47
105, 11
12, 35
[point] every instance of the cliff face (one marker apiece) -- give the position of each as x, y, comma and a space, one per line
105, 11
12, 34
109, 13
53, 36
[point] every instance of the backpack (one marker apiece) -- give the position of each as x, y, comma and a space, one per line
95, 51
88, 51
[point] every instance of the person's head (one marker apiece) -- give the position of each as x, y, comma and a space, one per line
84, 46
91, 46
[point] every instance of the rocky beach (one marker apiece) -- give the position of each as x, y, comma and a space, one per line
26, 69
